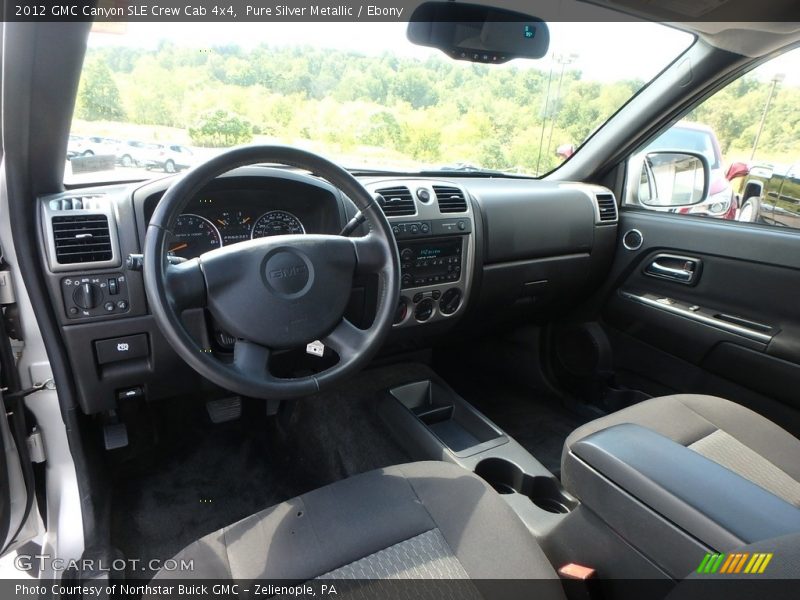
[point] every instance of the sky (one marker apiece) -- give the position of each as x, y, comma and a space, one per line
786, 66
601, 51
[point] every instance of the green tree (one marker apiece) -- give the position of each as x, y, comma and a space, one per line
415, 86
382, 130
154, 94
492, 155
424, 142
220, 128
98, 96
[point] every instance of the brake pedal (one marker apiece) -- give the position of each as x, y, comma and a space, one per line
224, 409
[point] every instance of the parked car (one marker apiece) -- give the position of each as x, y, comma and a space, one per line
93, 145
721, 201
74, 146
169, 157
772, 195
132, 153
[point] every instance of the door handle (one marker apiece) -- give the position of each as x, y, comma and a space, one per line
682, 269
671, 272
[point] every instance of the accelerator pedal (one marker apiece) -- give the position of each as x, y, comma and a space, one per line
224, 409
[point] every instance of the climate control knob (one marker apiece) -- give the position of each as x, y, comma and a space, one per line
424, 310
87, 296
450, 301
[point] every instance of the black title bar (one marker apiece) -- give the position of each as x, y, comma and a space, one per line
119, 11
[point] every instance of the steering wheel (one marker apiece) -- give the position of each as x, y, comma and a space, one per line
272, 293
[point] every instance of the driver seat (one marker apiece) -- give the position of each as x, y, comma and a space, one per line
430, 520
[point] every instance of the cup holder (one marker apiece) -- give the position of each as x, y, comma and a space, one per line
507, 478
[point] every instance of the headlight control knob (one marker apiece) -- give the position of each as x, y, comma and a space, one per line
87, 296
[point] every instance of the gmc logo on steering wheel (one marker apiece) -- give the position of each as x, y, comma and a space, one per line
287, 272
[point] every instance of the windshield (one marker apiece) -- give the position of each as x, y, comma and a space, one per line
158, 97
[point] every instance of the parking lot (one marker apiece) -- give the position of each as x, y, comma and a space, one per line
95, 158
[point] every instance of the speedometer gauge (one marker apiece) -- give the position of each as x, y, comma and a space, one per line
192, 236
276, 222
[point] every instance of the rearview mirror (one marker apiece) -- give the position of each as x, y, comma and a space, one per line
673, 178
478, 33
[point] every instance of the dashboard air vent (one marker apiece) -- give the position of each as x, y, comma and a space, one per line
81, 239
450, 199
607, 207
396, 201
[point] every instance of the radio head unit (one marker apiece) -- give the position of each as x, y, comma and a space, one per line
428, 262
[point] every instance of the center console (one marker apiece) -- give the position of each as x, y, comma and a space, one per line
433, 422
434, 227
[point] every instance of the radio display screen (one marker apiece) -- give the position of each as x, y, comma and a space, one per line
435, 251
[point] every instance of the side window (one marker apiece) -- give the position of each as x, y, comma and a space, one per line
749, 135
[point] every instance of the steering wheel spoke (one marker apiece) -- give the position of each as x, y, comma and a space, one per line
251, 359
371, 255
185, 285
346, 340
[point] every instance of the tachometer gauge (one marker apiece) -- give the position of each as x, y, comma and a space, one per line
193, 235
277, 222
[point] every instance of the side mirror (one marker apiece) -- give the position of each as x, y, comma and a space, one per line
737, 169
673, 178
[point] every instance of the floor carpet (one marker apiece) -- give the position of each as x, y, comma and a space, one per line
190, 477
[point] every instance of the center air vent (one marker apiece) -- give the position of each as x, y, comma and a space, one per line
396, 201
607, 207
81, 239
450, 199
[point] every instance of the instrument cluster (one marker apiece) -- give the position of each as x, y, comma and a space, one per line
196, 233
234, 210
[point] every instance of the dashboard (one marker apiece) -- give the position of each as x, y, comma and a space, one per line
474, 253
